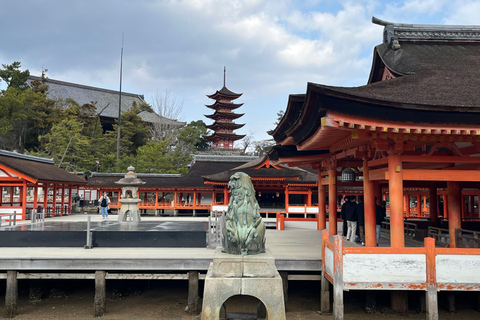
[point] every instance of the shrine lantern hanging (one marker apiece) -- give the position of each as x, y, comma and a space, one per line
348, 174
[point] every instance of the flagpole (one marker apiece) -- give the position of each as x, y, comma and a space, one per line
120, 105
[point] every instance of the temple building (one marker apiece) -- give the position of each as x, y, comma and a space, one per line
411, 132
223, 127
106, 103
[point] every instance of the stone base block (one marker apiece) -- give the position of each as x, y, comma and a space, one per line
231, 275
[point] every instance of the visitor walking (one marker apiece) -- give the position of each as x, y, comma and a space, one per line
104, 205
351, 214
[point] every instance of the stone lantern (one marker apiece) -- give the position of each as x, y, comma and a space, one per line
129, 199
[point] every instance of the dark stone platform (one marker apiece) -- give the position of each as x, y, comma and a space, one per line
107, 234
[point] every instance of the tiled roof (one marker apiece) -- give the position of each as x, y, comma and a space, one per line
37, 168
107, 100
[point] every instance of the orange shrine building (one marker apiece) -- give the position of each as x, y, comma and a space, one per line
411, 136
32, 183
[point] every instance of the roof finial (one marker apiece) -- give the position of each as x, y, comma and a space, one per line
224, 74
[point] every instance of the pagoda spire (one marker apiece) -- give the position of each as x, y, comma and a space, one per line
224, 136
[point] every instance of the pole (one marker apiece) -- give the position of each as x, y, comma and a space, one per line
120, 104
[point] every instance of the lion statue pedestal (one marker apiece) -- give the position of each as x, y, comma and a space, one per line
243, 266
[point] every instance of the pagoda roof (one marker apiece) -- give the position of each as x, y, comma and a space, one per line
231, 136
224, 93
219, 114
35, 169
262, 169
229, 125
432, 85
223, 104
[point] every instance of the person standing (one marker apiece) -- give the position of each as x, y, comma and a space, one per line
343, 215
361, 219
104, 205
351, 213
380, 214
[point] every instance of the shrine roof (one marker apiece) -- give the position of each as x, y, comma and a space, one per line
36, 168
193, 179
291, 174
433, 83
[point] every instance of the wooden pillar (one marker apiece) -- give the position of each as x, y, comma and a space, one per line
23, 197
378, 193
309, 198
338, 308
99, 303
11, 295
193, 297
395, 187
332, 200
419, 204
325, 303
454, 208
322, 211
431, 294
35, 197
369, 205
406, 204
286, 198
54, 200
432, 195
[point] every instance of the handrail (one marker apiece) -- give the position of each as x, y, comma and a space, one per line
467, 238
409, 228
440, 235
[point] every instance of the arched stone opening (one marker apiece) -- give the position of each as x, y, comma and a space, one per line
243, 307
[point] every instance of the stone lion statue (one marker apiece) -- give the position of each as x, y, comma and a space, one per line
244, 231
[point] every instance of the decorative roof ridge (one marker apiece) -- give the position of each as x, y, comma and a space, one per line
223, 158
76, 85
25, 157
408, 31
144, 175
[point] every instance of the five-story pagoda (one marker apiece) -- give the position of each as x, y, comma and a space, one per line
223, 126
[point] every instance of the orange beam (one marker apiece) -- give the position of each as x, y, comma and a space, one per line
17, 173
441, 175
440, 159
378, 174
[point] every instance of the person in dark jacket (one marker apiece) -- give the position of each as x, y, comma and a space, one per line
380, 214
351, 213
361, 219
343, 215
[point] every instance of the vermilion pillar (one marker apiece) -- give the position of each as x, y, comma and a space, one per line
369, 203
454, 210
395, 188
322, 213
332, 200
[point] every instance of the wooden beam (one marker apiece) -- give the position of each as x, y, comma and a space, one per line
378, 174
440, 159
378, 162
441, 175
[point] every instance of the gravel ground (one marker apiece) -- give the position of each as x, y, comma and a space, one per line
168, 299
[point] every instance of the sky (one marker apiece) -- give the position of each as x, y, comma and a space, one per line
270, 48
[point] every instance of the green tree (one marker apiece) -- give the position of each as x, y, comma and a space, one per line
193, 134
13, 77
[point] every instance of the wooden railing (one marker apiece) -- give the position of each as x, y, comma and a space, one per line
410, 229
440, 235
467, 238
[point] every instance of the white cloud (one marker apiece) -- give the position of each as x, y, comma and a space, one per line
464, 12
